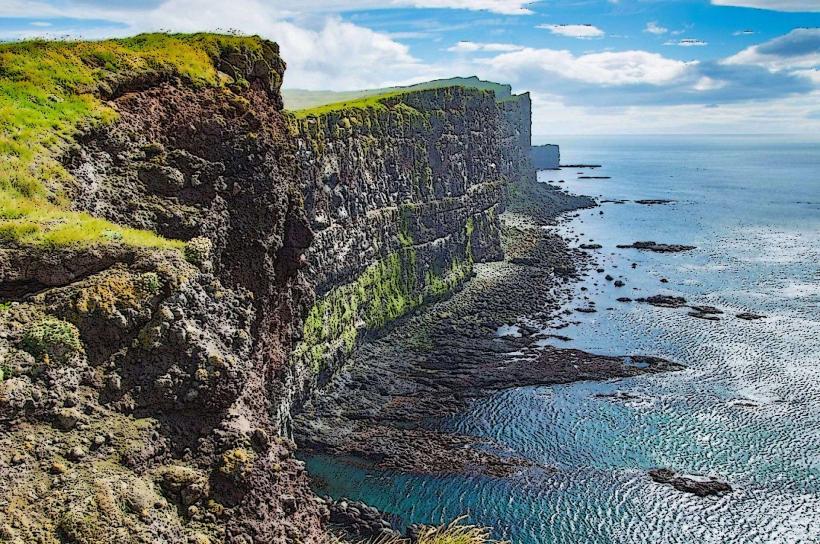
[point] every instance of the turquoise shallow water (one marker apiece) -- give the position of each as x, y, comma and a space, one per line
747, 408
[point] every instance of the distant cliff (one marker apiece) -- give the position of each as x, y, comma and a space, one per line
403, 196
546, 157
191, 260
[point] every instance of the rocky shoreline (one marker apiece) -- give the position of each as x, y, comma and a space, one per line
488, 337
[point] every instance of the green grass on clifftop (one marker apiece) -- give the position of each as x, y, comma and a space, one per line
304, 103
375, 101
49, 91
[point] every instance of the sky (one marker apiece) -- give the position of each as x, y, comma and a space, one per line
591, 66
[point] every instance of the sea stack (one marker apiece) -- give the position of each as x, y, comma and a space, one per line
546, 157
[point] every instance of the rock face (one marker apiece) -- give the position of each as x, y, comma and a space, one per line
403, 200
165, 382
546, 157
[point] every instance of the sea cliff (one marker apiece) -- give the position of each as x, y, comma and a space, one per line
182, 262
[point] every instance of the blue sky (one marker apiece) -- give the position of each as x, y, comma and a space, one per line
592, 66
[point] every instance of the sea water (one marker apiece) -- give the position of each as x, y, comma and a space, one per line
747, 407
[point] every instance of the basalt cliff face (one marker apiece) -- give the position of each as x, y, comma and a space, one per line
147, 393
402, 201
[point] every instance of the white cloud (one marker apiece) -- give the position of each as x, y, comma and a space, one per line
475, 47
799, 49
506, 7
40, 23
708, 84
687, 42
654, 28
813, 75
575, 31
551, 116
285, 8
341, 55
774, 5
606, 69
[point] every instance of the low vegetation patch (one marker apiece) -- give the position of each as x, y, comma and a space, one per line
453, 533
457, 534
49, 91
52, 339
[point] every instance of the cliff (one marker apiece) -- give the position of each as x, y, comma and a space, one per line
182, 261
546, 157
403, 196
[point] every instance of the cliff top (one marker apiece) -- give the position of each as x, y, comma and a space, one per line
306, 103
52, 90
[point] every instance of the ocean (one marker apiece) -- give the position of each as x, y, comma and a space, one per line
747, 407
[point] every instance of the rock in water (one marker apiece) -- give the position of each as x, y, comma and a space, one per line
696, 485
656, 247
664, 301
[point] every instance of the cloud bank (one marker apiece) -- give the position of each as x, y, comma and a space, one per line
774, 5
800, 48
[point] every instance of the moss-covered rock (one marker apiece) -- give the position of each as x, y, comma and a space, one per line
237, 463
198, 251
52, 339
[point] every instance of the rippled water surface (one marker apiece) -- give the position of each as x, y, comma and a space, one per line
747, 409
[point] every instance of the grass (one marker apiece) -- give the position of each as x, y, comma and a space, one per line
49, 91
453, 533
375, 101
456, 534
301, 99
318, 103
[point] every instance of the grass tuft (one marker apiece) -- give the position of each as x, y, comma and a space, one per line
452, 533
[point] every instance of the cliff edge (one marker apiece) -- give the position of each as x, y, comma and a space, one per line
182, 262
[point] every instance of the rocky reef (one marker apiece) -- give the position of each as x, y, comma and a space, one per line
195, 260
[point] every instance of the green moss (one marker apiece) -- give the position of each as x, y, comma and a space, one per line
385, 291
469, 228
52, 339
49, 90
151, 283
237, 463
440, 285
198, 251
406, 213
